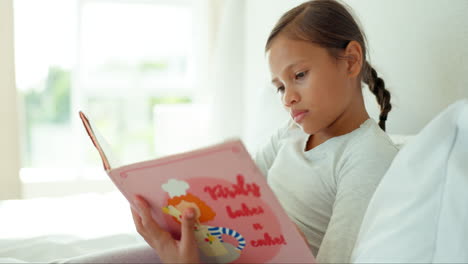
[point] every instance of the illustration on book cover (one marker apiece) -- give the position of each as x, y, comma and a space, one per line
237, 204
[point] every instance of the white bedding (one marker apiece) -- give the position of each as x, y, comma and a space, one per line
47, 229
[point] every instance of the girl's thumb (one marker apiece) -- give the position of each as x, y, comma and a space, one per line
188, 226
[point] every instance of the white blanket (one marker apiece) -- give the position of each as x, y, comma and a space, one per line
47, 229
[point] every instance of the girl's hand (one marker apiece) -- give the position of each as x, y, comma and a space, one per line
168, 249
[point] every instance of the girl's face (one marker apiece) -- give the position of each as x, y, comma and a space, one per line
315, 88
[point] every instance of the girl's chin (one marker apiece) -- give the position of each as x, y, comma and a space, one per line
307, 128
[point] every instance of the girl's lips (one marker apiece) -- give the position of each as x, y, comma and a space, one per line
300, 116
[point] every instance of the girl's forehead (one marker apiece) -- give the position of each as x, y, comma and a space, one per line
286, 49
285, 52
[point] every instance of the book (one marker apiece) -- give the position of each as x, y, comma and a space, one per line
239, 219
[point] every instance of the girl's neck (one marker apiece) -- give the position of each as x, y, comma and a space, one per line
352, 118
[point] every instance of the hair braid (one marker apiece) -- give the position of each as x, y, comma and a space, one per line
377, 87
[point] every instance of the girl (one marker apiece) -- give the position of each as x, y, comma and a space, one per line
324, 164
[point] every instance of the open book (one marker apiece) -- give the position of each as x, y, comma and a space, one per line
239, 218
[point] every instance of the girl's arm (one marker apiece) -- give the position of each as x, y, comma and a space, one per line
357, 180
266, 154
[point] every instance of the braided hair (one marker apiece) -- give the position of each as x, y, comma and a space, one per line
377, 87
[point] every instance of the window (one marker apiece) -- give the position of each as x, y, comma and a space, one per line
118, 60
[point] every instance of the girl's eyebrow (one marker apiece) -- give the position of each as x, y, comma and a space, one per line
275, 80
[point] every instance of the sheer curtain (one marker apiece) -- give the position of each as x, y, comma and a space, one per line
224, 76
217, 112
243, 101
9, 139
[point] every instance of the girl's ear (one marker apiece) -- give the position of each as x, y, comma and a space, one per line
353, 55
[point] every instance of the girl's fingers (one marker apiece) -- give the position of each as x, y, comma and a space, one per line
137, 220
170, 250
187, 241
147, 221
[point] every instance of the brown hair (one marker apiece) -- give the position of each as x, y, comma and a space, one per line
329, 24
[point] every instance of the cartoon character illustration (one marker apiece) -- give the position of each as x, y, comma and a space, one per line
209, 238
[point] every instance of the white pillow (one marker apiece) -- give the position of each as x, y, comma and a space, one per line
419, 212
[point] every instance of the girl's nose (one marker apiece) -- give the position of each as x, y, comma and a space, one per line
290, 97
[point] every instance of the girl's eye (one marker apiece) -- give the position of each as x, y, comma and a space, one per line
280, 89
300, 75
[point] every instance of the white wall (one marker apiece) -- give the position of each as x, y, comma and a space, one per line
9, 141
418, 46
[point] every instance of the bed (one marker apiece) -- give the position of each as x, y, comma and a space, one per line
51, 229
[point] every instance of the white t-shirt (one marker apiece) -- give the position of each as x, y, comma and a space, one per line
326, 190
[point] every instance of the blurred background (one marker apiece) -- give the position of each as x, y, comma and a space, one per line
162, 76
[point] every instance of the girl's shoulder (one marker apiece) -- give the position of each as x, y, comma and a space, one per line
368, 145
366, 155
372, 138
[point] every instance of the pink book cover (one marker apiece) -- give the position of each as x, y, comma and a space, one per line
239, 218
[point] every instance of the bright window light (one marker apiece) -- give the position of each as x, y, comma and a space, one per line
117, 60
